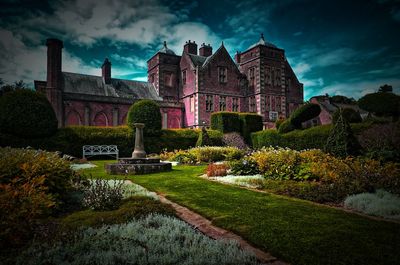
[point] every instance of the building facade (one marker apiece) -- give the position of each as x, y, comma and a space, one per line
188, 87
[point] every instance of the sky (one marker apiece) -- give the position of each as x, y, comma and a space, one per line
335, 47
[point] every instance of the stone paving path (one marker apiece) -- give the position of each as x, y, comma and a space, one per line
204, 225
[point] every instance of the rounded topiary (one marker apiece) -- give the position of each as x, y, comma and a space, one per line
350, 115
381, 103
204, 139
27, 114
148, 112
286, 126
306, 112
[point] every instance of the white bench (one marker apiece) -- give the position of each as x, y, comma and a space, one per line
94, 150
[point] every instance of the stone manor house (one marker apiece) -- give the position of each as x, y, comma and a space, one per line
188, 87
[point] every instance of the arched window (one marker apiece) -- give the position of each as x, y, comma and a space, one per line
100, 119
73, 118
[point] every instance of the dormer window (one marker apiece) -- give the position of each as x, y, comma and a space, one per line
222, 74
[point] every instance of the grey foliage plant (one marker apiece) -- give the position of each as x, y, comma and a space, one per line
102, 195
155, 239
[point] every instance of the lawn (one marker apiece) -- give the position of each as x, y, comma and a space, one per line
296, 231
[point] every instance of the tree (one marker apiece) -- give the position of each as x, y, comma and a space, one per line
385, 88
381, 103
342, 100
5, 88
349, 114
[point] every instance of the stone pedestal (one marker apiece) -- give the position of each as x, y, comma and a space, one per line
138, 163
139, 142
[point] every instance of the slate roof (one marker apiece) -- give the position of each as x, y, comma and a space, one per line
197, 59
94, 85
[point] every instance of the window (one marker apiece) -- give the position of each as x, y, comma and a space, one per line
268, 75
184, 77
152, 78
273, 115
278, 104
268, 103
278, 77
235, 104
222, 72
168, 79
252, 104
252, 77
222, 103
191, 104
209, 103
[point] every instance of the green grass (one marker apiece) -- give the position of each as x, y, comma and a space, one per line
294, 230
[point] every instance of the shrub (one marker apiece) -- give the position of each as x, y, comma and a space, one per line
148, 112
225, 122
380, 203
141, 241
381, 141
243, 167
350, 115
204, 138
100, 195
250, 122
314, 137
22, 204
341, 141
27, 164
26, 113
304, 113
381, 103
216, 170
71, 139
286, 126
234, 139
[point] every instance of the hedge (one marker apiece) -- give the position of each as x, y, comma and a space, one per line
225, 122
250, 122
314, 137
148, 112
70, 140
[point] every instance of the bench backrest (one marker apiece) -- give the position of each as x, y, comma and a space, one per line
92, 150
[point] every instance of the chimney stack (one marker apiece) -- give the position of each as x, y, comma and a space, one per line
237, 57
205, 50
54, 63
190, 47
106, 71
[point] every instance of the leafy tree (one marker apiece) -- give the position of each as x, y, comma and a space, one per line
342, 100
5, 88
341, 141
349, 114
27, 114
381, 103
385, 88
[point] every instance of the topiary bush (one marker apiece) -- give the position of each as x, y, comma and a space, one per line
250, 122
148, 112
204, 138
225, 122
28, 114
234, 139
341, 141
350, 115
286, 126
279, 122
304, 113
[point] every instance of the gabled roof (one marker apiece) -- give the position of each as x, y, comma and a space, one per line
197, 59
118, 88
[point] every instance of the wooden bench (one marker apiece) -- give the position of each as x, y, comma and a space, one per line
94, 150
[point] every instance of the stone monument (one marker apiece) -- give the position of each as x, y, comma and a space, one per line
138, 163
